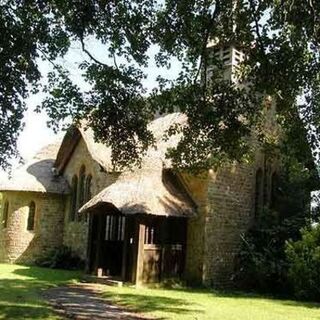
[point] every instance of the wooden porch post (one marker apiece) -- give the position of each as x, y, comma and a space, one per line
89, 245
125, 249
140, 249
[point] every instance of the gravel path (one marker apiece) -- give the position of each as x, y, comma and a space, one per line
83, 301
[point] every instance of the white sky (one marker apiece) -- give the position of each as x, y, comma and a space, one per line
36, 134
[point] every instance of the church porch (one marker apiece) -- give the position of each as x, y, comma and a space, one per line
136, 248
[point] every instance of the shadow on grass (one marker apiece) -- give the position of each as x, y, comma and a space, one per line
136, 302
252, 296
152, 303
20, 299
14, 292
42, 278
190, 301
281, 300
25, 312
305, 304
20, 292
49, 276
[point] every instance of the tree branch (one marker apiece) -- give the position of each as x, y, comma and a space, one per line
89, 54
205, 41
115, 61
56, 66
314, 17
256, 22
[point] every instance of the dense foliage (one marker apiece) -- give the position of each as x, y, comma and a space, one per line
304, 264
265, 260
280, 40
263, 264
60, 258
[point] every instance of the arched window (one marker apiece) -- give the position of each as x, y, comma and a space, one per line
87, 194
82, 178
73, 204
31, 216
5, 214
258, 193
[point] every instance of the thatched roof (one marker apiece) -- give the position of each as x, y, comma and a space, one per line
159, 129
156, 191
37, 175
150, 189
98, 151
102, 153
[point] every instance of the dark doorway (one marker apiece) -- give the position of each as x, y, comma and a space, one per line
106, 246
137, 248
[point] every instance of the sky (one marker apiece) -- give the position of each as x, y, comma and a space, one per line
36, 133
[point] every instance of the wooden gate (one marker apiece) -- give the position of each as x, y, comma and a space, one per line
163, 249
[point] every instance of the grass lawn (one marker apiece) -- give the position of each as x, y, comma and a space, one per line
21, 286
204, 304
20, 291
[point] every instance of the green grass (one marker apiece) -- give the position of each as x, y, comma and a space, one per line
204, 304
21, 287
20, 291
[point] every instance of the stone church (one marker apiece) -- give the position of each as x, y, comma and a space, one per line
139, 226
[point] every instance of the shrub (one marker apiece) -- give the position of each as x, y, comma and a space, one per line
304, 264
60, 258
262, 263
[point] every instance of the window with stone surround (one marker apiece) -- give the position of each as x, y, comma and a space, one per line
87, 189
87, 192
73, 202
258, 193
82, 177
5, 214
31, 216
81, 188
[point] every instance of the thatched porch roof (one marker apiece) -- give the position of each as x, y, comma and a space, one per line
152, 188
154, 191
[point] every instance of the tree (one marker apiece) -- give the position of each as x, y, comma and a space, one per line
280, 40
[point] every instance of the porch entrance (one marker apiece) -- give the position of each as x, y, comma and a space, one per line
137, 248
106, 244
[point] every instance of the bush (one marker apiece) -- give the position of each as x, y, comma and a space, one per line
304, 264
60, 258
262, 264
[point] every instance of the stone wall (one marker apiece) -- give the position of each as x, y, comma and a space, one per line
16, 242
230, 213
225, 202
76, 232
197, 189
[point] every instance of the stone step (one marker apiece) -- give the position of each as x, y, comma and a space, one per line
107, 280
